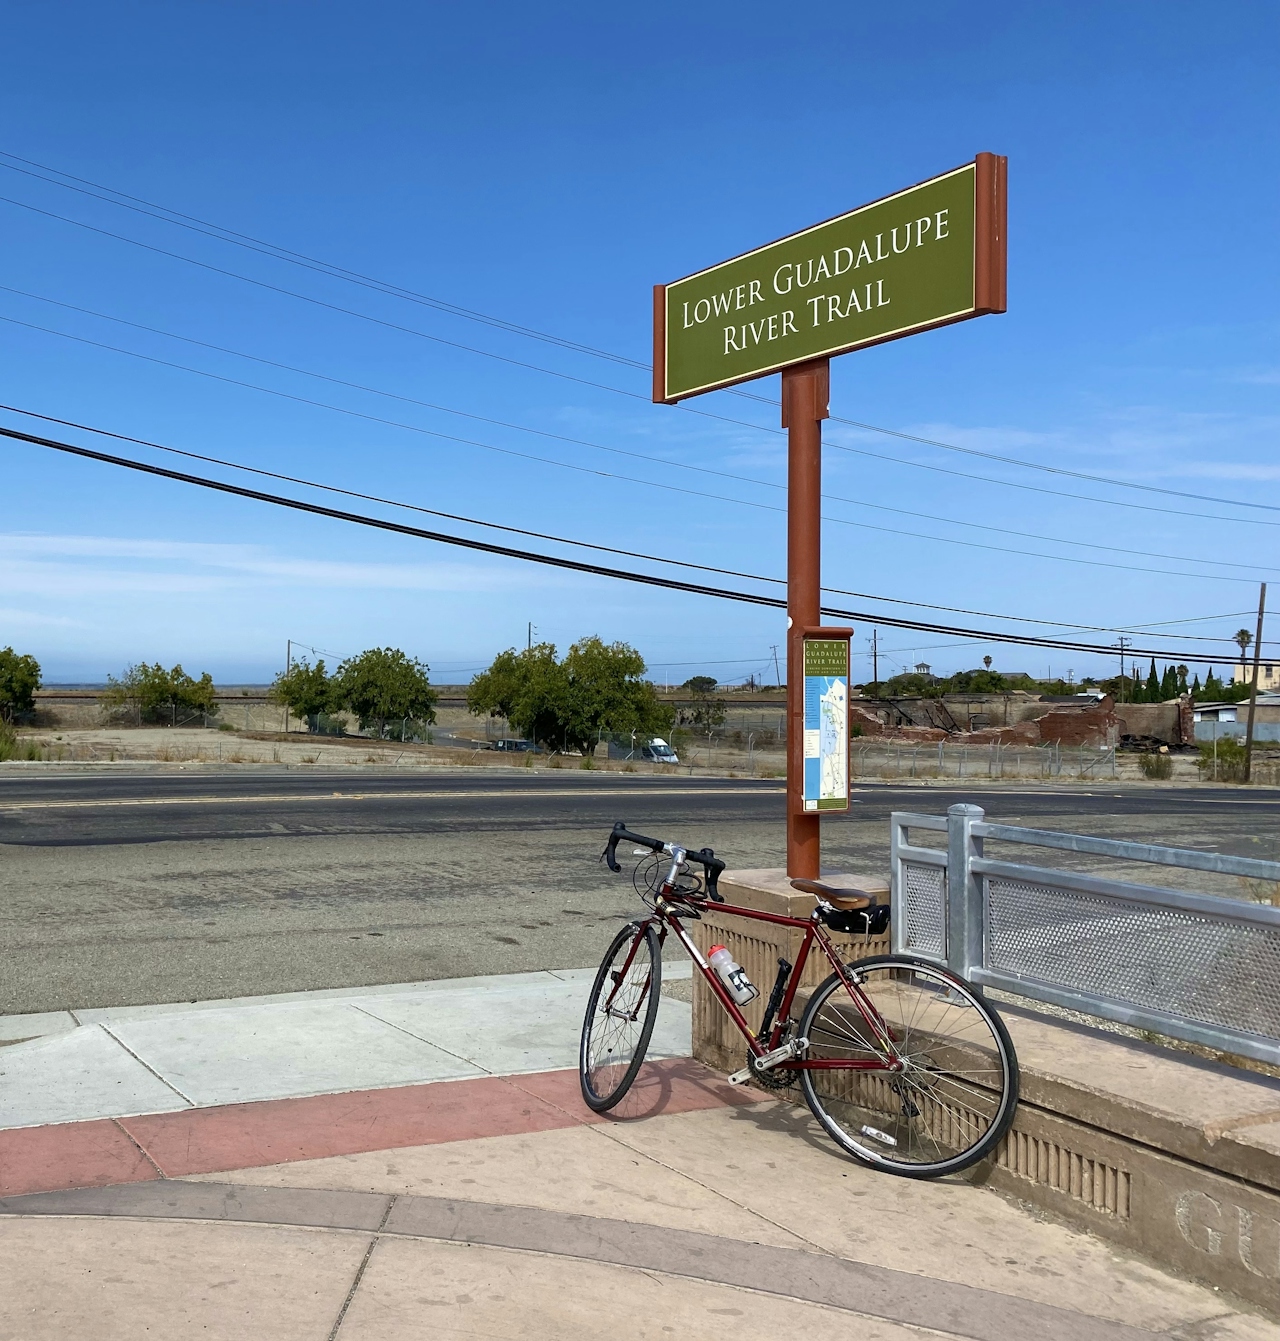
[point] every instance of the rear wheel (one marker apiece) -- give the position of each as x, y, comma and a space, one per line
620, 1016
955, 1094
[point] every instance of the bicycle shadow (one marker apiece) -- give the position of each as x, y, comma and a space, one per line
675, 1085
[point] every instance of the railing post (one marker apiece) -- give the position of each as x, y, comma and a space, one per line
964, 890
897, 898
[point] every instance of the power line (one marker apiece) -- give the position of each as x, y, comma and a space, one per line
583, 442
280, 253
656, 484
604, 549
1040, 489
276, 252
320, 302
557, 561
1026, 465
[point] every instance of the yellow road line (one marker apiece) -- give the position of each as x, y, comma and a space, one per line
366, 796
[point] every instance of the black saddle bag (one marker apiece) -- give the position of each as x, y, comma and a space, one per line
873, 921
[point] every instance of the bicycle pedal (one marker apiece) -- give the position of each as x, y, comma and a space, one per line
740, 1077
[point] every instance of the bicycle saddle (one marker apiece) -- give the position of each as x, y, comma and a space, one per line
847, 900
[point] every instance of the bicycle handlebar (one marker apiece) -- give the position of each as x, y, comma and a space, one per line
705, 857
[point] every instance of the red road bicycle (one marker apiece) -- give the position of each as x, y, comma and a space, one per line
906, 1067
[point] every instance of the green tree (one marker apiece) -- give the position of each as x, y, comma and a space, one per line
382, 685
1183, 671
1152, 694
1212, 686
305, 690
153, 694
19, 680
598, 687
528, 688
1195, 686
706, 710
608, 693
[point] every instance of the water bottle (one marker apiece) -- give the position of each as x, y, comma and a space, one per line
733, 975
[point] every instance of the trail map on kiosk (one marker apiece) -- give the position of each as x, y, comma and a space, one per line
826, 724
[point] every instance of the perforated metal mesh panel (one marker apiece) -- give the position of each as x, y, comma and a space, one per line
923, 899
1207, 970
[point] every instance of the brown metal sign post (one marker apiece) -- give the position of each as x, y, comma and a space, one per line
806, 390
925, 257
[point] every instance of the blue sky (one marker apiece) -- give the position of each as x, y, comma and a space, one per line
546, 165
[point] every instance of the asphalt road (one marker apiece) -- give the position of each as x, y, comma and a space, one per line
168, 885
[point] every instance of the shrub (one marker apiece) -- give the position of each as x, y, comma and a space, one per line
1159, 766
1230, 761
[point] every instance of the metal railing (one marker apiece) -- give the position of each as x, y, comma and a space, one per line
1192, 966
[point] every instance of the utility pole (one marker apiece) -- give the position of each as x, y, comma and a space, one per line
288, 666
777, 674
1124, 647
1253, 688
875, 658
529, 643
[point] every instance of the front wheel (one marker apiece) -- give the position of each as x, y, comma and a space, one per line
954, 1095
620, 1016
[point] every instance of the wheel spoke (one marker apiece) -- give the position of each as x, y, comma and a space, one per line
953, 1097
620, 1016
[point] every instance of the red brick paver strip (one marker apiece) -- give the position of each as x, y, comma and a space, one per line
71, 1154
282, 1131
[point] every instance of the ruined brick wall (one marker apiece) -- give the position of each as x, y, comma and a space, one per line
1161, 721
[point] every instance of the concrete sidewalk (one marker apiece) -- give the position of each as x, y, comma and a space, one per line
701, 1209
89, 1064
489, 1201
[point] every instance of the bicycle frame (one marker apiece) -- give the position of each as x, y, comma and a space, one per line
667, 918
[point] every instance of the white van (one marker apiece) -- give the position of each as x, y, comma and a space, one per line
657, 751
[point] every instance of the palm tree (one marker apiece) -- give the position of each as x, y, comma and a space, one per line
1244, 638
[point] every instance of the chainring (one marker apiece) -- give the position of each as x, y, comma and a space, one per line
776, 1079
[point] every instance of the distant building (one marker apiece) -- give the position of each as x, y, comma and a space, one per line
1216, 712
1268, 675
923, 668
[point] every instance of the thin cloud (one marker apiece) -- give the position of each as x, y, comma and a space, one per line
67, 565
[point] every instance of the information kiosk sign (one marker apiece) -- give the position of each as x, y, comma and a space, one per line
826, 719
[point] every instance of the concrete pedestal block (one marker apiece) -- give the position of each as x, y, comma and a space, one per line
1168, 1155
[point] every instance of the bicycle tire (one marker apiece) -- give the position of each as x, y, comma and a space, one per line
617, 1061
957, 1093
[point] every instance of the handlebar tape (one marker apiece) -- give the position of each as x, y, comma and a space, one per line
706, 857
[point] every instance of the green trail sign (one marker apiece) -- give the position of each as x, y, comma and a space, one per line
924, 257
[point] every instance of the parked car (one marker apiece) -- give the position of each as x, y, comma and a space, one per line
657, 751
515, 746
